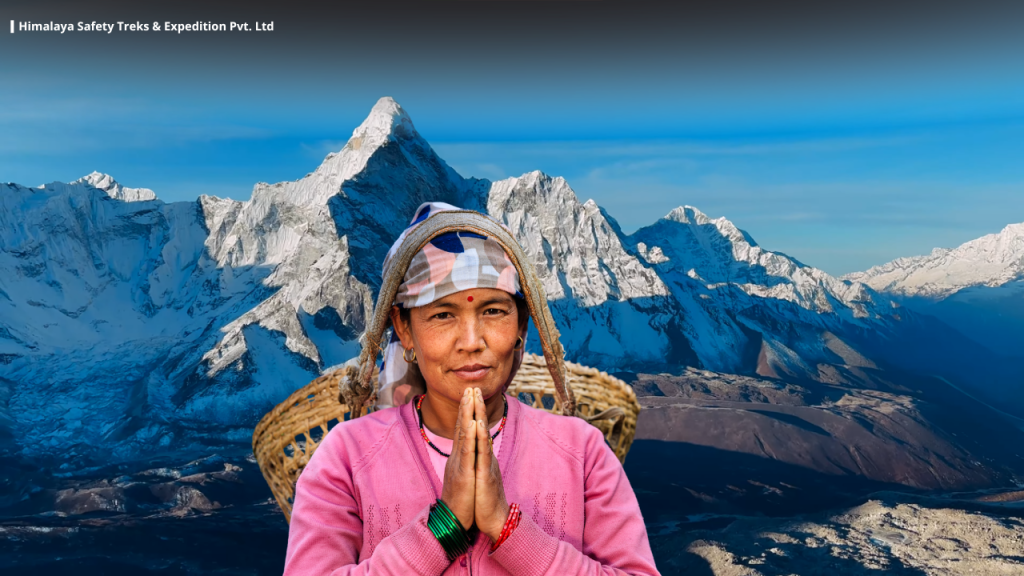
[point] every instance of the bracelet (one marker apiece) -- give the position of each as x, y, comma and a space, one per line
448, 530
514, 514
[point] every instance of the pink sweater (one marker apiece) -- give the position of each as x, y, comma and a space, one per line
361, 504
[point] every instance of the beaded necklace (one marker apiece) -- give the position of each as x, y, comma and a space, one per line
419, 402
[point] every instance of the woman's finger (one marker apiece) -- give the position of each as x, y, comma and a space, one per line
458, 417
490, 507
479, 408
459, 433
459, 476
467, 448
483, 451
483, 435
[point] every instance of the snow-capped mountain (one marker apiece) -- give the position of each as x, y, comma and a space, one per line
114, 190
127, 319
992, 260
129, 325
737, 296
977, 287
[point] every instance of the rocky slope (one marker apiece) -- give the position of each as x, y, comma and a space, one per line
740, 475
711, 443
891, 534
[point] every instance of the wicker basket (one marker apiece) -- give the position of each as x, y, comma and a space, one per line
288, 435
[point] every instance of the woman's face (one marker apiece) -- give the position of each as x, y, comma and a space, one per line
465, 340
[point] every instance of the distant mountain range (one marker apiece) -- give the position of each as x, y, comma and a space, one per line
977, 287
130, 326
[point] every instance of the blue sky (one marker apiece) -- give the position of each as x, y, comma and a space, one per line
840, 198
843, 156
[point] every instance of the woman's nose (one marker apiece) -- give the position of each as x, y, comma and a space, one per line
471, 335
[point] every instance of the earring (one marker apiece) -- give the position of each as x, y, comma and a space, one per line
519, 344
406, 357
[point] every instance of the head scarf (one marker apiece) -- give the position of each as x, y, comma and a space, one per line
451, 262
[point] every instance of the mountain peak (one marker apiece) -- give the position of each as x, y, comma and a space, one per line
387, 106
1013, 230
98, 180
687, 214
386, 119
386, 122
106, 182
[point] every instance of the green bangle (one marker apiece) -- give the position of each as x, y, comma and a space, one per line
449, 532
452, 542
451, 516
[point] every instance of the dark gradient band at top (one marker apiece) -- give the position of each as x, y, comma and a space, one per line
574, 31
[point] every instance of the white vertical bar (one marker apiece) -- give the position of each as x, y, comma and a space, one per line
12, 26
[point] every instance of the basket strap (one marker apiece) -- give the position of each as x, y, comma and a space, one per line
361, 390
614, 414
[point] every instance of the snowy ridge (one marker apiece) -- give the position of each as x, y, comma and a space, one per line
992, 260
602, 296
749, 309
129, 325
564, 235
977, 288
107, 183
716, 252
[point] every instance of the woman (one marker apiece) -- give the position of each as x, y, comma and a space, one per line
462, 478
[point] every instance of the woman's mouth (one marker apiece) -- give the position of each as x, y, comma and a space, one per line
472, 371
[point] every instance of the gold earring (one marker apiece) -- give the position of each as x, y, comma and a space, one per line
406, 357
519, 344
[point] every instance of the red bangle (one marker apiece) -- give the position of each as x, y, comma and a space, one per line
514, 513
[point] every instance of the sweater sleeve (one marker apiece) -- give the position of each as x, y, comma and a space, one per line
326, 531
614, 536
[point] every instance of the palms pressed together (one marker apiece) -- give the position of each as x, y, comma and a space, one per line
472, 480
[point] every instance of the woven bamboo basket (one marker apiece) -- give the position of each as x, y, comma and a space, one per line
287, 436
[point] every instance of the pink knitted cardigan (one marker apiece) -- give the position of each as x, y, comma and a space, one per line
361, 503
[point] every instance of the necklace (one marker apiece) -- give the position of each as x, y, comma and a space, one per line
419, 402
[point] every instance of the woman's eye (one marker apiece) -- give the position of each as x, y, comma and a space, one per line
494, 311
441, 315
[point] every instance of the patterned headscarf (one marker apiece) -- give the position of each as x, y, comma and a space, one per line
450, 263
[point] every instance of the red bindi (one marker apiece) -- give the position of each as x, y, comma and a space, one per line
470, 299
